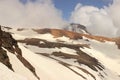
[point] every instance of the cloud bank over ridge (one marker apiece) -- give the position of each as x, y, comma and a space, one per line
43, 13
33, 13
103, 21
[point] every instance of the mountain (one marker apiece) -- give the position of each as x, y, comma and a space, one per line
54, 54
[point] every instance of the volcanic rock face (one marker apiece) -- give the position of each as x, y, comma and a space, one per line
3, 56
8, 43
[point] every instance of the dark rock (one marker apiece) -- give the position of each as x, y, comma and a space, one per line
77, 28
5, 59
10, 44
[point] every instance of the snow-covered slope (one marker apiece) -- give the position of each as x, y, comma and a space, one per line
62, 55
6, 74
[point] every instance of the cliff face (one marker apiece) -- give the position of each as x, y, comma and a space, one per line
9, 44
3, 55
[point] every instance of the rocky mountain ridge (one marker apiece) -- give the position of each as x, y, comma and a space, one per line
81, 56
8, 43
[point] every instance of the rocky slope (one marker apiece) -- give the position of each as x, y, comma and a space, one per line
53, 54
8, 43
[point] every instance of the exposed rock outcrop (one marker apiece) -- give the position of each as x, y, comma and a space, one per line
81, 57
77, 28
10, 44
59, 33
3, 56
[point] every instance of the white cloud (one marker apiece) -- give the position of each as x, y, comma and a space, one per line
40, 13
104, 21
114, 12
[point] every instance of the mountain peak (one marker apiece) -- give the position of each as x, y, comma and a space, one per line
77, 28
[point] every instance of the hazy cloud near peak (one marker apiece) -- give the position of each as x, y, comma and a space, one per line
104, 21
40, 13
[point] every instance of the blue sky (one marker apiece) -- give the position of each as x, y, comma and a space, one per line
67, 6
